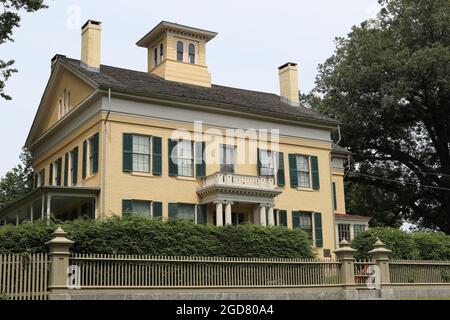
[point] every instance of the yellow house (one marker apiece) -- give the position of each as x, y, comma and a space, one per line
168, 143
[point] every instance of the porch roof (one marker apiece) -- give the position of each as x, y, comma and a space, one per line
56, 190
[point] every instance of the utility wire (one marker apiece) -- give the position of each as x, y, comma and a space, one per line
397, 181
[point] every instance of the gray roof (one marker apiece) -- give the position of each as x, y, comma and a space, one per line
338, 150
149, 85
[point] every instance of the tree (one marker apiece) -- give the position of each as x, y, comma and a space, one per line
18, 181
388, 84
10, 19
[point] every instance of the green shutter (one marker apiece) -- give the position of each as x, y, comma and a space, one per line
66, 169
280, 173
127, 207
295, 219
200, 165
315, 173
334, 197
293, 170
156, 156
75, 166
258, 161
282, 218
95, 153
84, 169
173, 161
173, 210
157, 209
58, 171
202, 216
50, 175
318, 229
127, 148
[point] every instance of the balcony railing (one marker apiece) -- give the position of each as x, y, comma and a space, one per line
239, 180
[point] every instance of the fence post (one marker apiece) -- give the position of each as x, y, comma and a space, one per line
345, 256
380, 255
59, 262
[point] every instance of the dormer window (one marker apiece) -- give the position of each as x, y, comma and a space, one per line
191, 53
180, 49
161, 53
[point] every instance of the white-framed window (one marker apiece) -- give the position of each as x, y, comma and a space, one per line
185, 158
191, 51
186, 212
344, 232
303, 171
141, 153
358, 228
91, 156
64, 104
180, 50
227, 158
306, 223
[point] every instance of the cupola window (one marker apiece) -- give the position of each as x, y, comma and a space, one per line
191, 53
180, 49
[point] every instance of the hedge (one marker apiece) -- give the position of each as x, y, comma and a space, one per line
140, 236
404, 245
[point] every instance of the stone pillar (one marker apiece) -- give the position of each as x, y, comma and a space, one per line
219, 214
345, 256
271, 221
59, 262
262, 214
228, 219
380, 255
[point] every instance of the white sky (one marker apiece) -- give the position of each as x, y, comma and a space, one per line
255, 37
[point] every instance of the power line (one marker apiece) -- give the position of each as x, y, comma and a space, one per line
397, 181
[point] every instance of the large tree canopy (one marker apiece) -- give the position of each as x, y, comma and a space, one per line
18, 181
10, 19
388, 83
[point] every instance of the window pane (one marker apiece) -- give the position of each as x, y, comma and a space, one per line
191, 53
306, 223
141, 208
303, 171
227, 158
141, 153
358, 228
344, 232
186, 211
180, 51
185, 159
267, 163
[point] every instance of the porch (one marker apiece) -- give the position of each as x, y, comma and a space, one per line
233, 198
63, 203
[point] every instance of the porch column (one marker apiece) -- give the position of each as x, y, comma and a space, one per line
17, 219
43, 207
31, 213
256, 215
262, 214
228, 212
219, 214
49, 203
96, 207
271, 217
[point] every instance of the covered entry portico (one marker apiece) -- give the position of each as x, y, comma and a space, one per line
228, 193
64, 203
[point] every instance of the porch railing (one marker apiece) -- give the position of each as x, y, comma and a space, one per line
239, 180
121, 271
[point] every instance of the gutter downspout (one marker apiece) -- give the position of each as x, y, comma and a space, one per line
336, 240
103, 176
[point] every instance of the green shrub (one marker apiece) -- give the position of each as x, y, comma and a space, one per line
135, 235
3, 296
432, 245
400, 242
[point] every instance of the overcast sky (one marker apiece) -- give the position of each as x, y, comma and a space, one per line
254, 38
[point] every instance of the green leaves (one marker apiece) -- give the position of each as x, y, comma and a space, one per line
388, 85
136, 235
10, 19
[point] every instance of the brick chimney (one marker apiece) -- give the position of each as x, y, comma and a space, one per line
90, 45
289, 83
